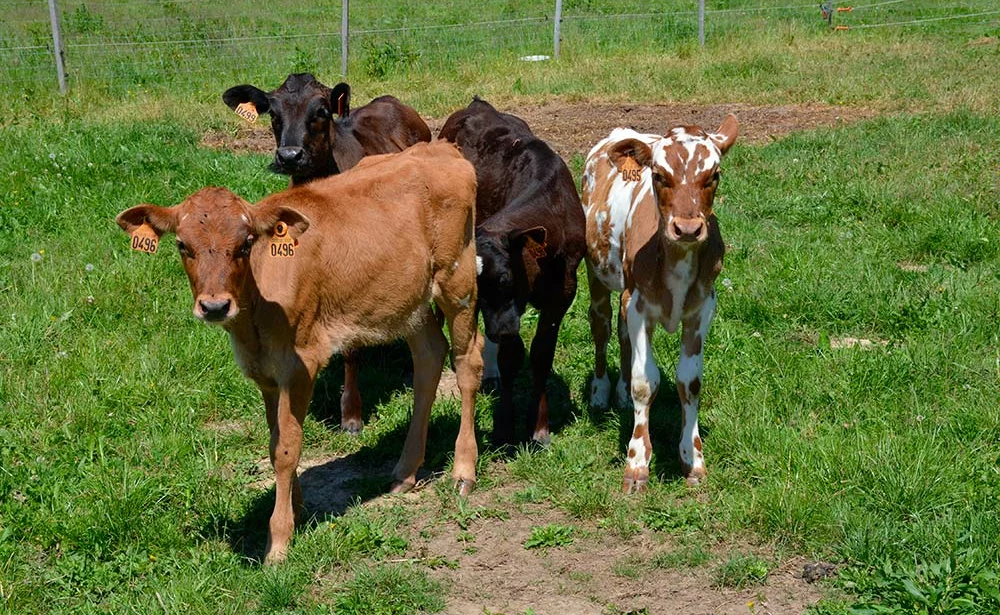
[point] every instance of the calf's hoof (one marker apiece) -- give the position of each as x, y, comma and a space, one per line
542, 438
696, 476
351, 426
635, 480
274, 555
403, 486
464, 486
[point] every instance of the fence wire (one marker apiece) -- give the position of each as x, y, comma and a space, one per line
120, 45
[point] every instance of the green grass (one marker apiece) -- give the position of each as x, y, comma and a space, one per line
129, 441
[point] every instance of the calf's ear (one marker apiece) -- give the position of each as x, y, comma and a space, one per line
162, 219
236, 95
726, 135
630, 148
266, 219
532, 241
340, 98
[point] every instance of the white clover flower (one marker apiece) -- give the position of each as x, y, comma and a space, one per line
88, 267
36, 257
727, 283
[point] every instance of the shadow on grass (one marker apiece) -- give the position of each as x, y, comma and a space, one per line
329, 489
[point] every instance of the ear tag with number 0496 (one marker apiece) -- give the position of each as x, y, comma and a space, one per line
631, 171
281, 243
247, 111
145, 239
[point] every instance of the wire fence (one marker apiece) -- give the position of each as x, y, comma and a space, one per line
119, 45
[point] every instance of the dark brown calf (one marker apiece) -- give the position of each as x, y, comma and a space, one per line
318, 135
343, 262
530, 240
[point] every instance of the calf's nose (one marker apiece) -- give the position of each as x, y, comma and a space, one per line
290, 155
214, 309
687, 229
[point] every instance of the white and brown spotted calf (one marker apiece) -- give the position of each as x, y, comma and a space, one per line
652, 235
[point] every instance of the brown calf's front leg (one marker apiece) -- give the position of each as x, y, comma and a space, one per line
428, 348
285, 450
458, 302
350, 397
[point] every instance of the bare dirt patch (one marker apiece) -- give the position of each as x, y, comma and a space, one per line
573, 128
486, 567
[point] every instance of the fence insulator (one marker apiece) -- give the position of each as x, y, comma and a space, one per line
842, 27
845, 9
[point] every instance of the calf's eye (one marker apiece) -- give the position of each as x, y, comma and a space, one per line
244, 250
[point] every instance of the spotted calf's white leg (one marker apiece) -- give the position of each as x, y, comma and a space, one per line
645, 384
689, 372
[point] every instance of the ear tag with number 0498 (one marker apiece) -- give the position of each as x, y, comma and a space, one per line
281, 243
631, 171
145, 239
247, 111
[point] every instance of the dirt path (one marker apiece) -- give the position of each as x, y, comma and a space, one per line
573, 128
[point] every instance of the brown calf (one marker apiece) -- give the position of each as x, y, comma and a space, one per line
652, 234
317, 134
343, 262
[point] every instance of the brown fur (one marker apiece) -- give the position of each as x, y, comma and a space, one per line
375, 246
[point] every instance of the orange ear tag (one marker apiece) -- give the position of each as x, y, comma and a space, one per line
631, 171
247, 111
535, 250
281, 244
145, 239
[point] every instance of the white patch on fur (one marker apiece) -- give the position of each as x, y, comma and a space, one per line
491, 369
600, 391
479, 265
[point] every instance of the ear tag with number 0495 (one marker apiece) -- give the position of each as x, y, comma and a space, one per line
145, 239
631, 171
281, 243
247, 111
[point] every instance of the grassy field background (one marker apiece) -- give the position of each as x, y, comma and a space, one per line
129, 441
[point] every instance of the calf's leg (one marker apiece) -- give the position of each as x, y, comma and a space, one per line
510, 358
350, 397
690, 368
428, 348
457, 300
285, 450
599, 315
645, 382
543, 350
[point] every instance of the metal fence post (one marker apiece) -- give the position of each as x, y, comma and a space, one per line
701, 23
343, 37
57, 45
555, 38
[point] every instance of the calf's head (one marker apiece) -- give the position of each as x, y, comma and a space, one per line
216, 232
303, 112
505, 262
685, 173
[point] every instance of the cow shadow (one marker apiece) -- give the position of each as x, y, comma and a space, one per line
331, 488
665, 418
